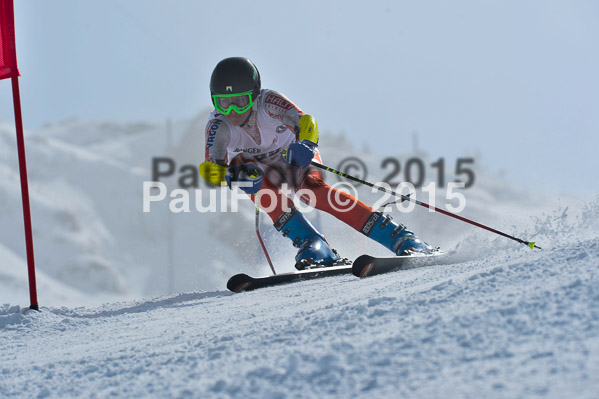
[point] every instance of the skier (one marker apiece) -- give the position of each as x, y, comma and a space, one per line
266, 141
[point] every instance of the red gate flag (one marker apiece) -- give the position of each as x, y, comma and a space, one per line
8, 54
8, 69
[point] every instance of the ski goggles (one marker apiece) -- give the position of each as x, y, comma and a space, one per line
239, 102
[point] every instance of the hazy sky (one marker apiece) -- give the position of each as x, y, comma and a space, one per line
517, 81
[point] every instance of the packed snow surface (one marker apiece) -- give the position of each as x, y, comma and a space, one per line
492, 319
502, 321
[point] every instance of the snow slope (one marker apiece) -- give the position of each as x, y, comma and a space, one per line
494, 320
90, 231
16, 287
91, 234
501, 322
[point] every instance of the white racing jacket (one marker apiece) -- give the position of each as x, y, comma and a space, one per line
271, 127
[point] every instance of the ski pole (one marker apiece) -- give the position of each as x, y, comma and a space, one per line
531, 244
255, 198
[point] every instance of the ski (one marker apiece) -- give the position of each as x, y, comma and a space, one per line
366, 265
243, 282
363, 266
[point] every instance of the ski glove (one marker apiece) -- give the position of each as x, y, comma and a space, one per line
299, 154
247, 177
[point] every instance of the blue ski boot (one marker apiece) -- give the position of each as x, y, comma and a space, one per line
394, 236
313, 248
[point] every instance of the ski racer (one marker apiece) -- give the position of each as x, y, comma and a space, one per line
267, 142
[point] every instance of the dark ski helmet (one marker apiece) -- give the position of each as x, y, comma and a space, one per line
235, 75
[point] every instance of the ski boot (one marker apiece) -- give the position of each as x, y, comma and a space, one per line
382, 229
313, 248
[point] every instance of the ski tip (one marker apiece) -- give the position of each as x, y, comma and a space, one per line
531, 245
239, 283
